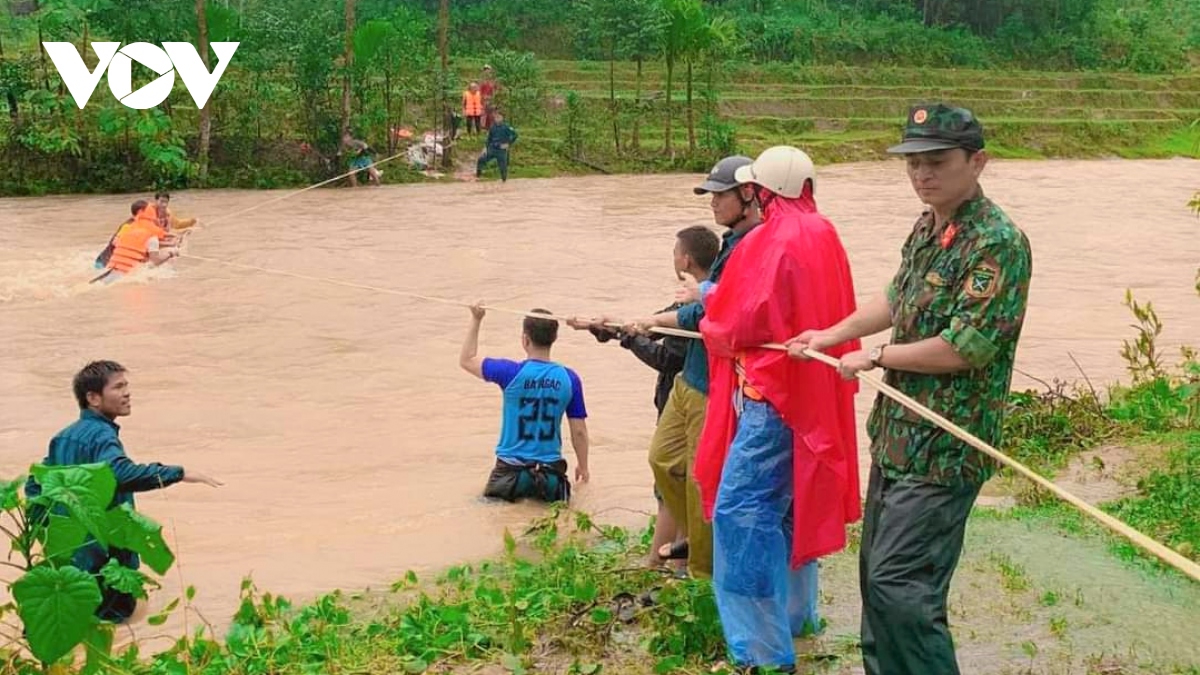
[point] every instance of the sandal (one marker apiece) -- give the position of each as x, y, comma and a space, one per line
678, 551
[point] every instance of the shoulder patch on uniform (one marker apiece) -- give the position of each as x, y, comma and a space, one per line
981, 282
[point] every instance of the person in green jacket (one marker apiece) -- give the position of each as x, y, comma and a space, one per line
103, 393
500, 137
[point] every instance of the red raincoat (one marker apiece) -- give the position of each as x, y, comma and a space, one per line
790, 274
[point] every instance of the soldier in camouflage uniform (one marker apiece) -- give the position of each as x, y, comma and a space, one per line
955, 306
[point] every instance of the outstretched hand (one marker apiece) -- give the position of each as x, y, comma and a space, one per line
477, 311
194, 477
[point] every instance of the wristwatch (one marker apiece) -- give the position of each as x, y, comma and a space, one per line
876, 354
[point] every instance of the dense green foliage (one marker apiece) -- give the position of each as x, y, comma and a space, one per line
662, 84
1142, 35
56, 600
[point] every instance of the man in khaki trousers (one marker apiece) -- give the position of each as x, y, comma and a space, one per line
673, 448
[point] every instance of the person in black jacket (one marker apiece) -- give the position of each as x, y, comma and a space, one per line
664, 354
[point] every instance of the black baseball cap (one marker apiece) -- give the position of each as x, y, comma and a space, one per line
721, 177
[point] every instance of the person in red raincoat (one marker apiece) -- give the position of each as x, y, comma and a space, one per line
777, 461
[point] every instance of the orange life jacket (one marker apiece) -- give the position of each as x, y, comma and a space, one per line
130, 247
472, 103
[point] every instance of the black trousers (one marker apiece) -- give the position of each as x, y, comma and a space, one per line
911, 543
546, 482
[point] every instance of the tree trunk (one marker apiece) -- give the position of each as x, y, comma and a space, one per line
670, 74
206, 111
691, 121
387, 106
444, 52
637, 108
348, 65
612, 96
13, 111
42, 50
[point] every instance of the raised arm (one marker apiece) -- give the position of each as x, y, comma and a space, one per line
468, 357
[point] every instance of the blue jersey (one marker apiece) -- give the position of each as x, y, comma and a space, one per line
536, 396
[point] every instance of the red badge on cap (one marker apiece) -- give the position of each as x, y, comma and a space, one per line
920, 116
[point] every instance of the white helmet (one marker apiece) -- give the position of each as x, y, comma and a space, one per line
781, 169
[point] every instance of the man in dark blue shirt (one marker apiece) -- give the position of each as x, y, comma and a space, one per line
500, 137
102, 391
673, 448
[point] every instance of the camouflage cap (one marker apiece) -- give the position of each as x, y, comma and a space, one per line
939, 127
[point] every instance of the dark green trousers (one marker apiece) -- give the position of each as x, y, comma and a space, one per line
911, 541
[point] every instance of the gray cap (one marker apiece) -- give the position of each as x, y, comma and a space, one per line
721, 177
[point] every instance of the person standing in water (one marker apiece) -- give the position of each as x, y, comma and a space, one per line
500, 137
537, 393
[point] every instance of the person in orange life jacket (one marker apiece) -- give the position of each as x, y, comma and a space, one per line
102, 259
473, 108
139, 242
537, 393
102, 392
777, 463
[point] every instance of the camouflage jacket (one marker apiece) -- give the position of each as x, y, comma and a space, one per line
966, 283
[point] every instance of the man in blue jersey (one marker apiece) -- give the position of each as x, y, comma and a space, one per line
537, 394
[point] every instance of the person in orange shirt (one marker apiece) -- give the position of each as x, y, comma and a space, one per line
141, 241
473, 108
166, 219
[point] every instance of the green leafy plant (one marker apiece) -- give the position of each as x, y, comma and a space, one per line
1142, 357
55, 599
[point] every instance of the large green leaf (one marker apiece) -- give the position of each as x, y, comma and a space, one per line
130, 530
64, 536
121, 578
57, 606
86, 490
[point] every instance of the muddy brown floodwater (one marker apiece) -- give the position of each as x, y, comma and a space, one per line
352, 446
